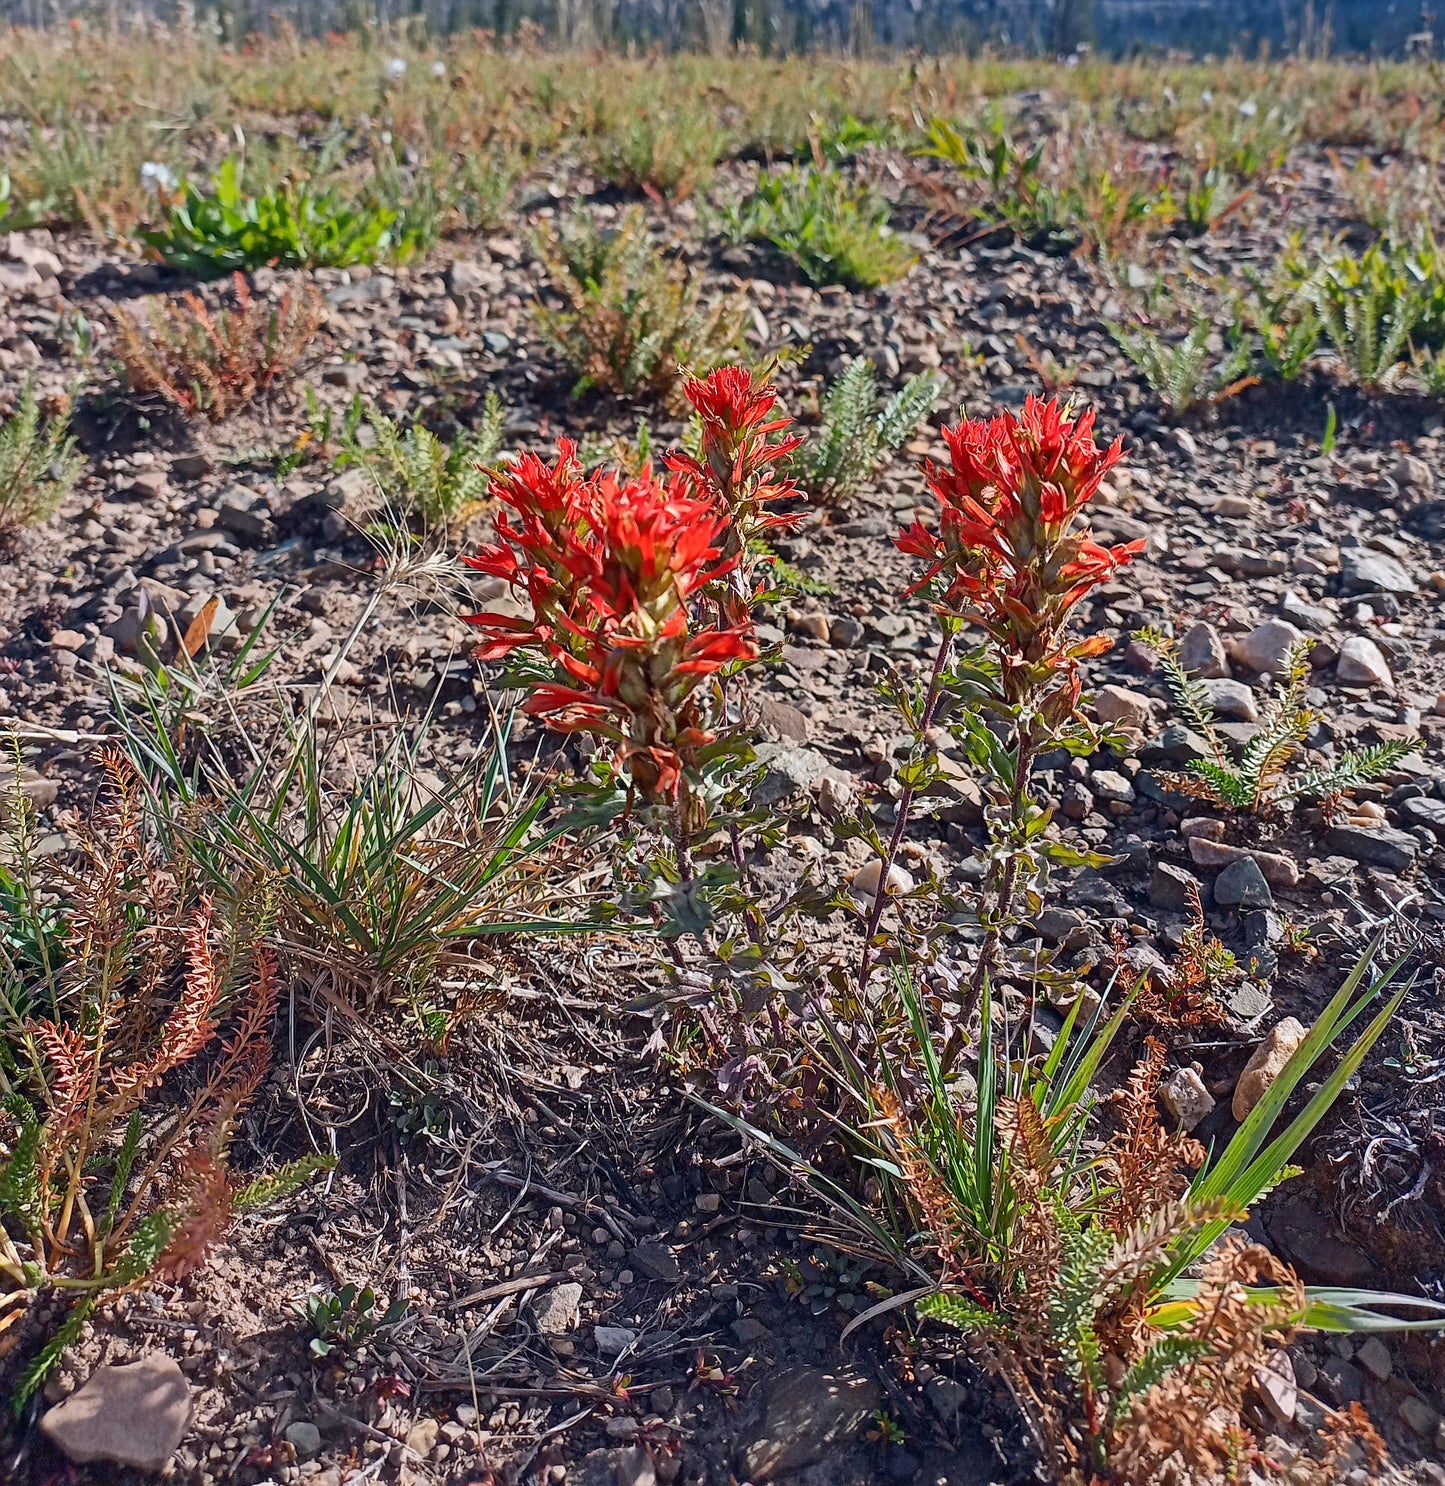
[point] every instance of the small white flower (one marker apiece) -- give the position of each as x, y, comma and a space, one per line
1206, 97
386, 136
396, 69
1249, 108
155, 177
438, 69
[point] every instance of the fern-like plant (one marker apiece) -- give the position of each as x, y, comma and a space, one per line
1258, 782
423, 480
1180, 375
857, 435
38, 463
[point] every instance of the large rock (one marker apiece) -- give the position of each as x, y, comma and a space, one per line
809, 1414
1267, 646
556, 1312
1242, 885
1279, 870
1117, 704
1231, 699
1426, 812
1363, 663
1201, 652
1374, 572
130, 1415
787, 771
1377, 846
1266, 1065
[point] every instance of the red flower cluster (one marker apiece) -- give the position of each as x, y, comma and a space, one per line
740, 457
607, 565
1007, 549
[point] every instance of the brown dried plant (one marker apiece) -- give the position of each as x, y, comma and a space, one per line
213, 364
137, 1025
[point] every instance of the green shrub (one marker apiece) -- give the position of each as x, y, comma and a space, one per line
836, 233
1180, 375
224, 230
38, 464
423, 480
668, 151
857, 434
631, 318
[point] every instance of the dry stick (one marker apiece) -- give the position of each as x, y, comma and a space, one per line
900, 820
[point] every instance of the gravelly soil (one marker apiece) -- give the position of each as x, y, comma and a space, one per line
563, 1150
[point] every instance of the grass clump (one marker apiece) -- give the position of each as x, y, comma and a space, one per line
224, 230
212, 364
38, 463
859, 432
836, 233
664, 151
631, 318
1257, 783
1184, 374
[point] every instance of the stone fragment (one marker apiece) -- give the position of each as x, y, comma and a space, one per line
787, 771
1363, 663
808, 1415
1419, 1416
1169, 887
1374, 1356
1177, 744
134, 1414
1108, 784
1376, 846
635, 1468
1362, 571
1267, 646
556, 1311
1424, 811
1279, 870
1184, 1096
1266, 1064
1231, 699
656, 1261
304, 1438
1117, 704
1412, 473
1275, 1383
1242, 885
864, 885
612, 1341
1202, 653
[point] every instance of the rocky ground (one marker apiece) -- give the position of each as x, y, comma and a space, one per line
604, 1287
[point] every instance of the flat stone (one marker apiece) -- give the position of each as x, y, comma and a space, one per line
1267, 646
1374, 572
305, 1438
1231, 699
134, 1414
789, 722
1275, 1383
1279, 871
1117, 704
1242, 885
1107, 784
1202, 653
612, 1341
1419, 1416
556, 1311
1374, 1356
1376, 846
656, 1261
1177, 744
1265, 1065
808, 1415
787, 771
1426, 812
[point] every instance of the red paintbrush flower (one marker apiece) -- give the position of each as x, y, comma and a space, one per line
607, 565
1008, 550
741, 457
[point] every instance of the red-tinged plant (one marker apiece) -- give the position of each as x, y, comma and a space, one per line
104, 1180
1010, 554
613, 568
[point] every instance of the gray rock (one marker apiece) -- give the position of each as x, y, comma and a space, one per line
556, 1311
1118, 704
1186, 1099
635, 1468
1425, 812
1107, 784
656, 1261
131, 1415
1362, 663
1201, 652
612, 1341
305, 1438
1231, 699
1267, 646
809, 1413
1379, 846
1374, 572
1242, 885
1169, 887
787, 771
1177, 744
1311, 616
845, 633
